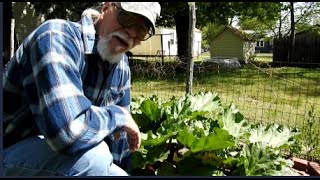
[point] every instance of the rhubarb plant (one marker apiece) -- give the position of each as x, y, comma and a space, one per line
196, 135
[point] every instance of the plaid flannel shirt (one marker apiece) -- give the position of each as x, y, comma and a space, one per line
53, 88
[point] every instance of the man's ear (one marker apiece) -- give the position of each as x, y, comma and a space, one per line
105, 6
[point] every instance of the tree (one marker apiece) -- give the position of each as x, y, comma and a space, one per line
213, 16
218, 13
7, 12
209, 32
292, 36
64, 10
223, 13
175, 14
306, 15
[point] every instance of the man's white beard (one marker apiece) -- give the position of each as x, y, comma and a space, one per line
104, 49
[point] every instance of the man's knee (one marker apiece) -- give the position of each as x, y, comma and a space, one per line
35, 154
94, 162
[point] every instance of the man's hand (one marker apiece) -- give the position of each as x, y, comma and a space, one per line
133, 132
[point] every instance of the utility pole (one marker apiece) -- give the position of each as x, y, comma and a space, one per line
192, 23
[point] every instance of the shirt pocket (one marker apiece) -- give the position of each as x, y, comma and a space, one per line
113, 96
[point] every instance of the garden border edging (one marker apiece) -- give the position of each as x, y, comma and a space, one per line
312, 168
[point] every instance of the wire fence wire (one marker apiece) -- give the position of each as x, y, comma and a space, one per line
285, 95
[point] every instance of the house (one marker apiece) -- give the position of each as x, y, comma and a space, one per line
232, 43
264, 42
165, 39
264, 45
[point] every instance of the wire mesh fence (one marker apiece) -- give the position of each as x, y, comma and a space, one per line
285, 95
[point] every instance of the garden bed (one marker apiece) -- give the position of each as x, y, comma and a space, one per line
196, 135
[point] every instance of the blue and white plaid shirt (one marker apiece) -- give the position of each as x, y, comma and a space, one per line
57, 86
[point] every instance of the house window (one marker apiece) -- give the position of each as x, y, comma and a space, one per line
260, 44
171, 41
172, 38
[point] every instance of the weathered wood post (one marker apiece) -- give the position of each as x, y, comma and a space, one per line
192, 22
12, 38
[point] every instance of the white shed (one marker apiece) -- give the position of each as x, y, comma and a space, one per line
169, 43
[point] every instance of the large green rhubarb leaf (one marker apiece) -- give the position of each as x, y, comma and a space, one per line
149, 115
179, 109
273, 135
256, 160
219, 140
151, 109
261, 160
204, 101
233, 121
192, 166
148, 155
150, 139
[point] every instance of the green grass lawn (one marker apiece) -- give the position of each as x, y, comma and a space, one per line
281, 95
263, 57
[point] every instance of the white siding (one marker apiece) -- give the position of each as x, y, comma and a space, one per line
169, 37
197, 43
169, 43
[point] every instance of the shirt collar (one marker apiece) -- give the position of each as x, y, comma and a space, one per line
89, 37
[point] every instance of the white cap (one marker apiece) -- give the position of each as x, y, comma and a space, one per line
150, 10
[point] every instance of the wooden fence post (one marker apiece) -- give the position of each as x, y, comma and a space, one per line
192, 22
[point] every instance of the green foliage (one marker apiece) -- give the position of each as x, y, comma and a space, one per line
312, 30
257, 16
209, 32
196, 135
169, 11
221, 12
173, 14
310, 131
260, 27
262, 11
63, 10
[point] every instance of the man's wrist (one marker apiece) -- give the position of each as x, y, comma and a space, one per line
120, 115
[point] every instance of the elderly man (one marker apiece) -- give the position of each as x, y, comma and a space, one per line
67, 94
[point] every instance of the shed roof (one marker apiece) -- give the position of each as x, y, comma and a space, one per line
243, 36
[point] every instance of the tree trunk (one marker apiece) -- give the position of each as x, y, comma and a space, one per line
292, 36
7, 16
182, 29
279, 29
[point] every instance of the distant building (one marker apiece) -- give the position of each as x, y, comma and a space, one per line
263, 44
232, 43
169, 43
